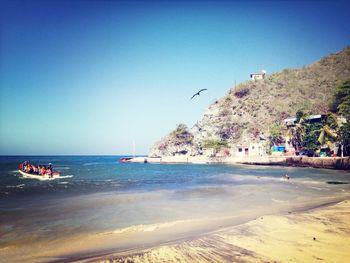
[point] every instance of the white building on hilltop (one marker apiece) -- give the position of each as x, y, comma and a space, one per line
257, 76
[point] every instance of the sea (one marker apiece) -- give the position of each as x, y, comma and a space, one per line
98, 194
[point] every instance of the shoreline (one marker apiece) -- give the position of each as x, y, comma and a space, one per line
338, 163
318, 233
211, 236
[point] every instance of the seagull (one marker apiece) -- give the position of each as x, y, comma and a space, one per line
197, 93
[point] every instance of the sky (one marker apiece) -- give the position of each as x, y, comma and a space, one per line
98, 77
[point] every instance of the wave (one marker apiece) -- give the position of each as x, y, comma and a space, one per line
266, 178
92, 163
150, 227
62, 168
15, 186
66, 176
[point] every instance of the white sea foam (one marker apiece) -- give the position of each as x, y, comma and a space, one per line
239, 177
62, 168
149, 228
93, 163
15, 186
66, 176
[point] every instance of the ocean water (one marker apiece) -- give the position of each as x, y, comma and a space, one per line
103, 195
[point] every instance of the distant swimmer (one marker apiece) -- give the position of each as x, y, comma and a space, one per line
197, 93
287, 177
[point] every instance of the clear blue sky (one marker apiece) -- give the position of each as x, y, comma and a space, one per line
91, 77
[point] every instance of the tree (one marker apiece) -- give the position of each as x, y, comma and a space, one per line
299, 115
276, 134
332, 121
319, 134
341, 106
344, 138
310, 140
341, 100
297, 132
327, 136
328, 132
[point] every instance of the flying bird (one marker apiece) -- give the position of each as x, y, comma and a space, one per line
197, 93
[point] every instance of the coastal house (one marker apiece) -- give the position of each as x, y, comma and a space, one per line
257, 149
251, 149
242, 150
257, 76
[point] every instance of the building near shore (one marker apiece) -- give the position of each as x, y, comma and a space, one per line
252, 149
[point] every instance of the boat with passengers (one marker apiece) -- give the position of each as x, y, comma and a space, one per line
40, 172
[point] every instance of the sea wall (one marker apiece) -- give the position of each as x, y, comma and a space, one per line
341, 163
320, 162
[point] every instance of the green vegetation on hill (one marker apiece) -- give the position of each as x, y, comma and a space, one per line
341, 100
332, 131
214, 144
182, 135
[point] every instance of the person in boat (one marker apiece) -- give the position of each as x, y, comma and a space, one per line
43, 170
27, 168
35, 169
23, 166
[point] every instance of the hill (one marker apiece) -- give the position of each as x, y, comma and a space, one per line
248, 111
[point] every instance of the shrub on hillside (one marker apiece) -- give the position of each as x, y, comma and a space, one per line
214, 144
242, 93
229, 132
182, 135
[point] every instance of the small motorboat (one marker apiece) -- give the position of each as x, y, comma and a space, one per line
40, 172
125, 160
44, 177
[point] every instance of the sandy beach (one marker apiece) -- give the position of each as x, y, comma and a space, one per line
320, 234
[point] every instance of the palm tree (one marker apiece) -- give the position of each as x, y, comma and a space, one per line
297, 132
327, 136
328, 133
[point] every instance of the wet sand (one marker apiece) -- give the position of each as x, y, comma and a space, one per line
318, 235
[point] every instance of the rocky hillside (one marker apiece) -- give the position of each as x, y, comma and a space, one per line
248, 111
